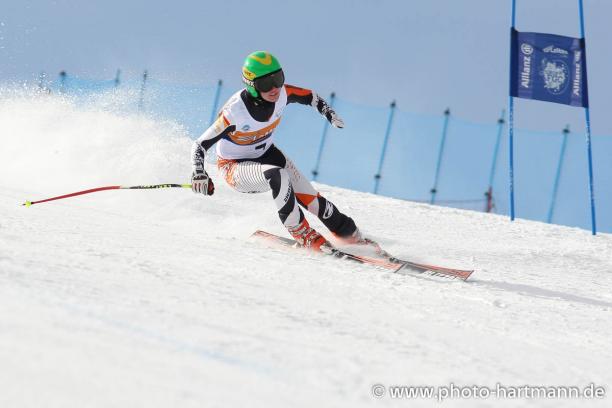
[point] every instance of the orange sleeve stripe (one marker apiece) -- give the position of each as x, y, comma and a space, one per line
294, 90
225, 120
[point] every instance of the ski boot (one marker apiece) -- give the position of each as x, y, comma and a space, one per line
357, 240
309, 238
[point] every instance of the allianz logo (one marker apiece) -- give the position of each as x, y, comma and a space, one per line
555, 50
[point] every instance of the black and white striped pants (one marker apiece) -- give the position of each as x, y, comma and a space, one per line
274, 171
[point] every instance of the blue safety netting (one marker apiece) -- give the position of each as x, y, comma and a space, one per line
351, 157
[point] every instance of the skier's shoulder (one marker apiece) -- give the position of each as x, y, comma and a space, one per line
234, 101
296, 94
296, 90
232, 107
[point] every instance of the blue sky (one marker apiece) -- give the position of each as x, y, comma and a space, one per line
427, 55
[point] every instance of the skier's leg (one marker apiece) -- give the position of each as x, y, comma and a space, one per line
289, 211
341, 225
255, 177
244, 176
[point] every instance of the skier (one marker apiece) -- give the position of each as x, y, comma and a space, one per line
249, 161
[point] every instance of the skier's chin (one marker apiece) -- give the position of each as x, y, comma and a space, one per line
271, 96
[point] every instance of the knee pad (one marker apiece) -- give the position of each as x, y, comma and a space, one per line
284, 197
274, 176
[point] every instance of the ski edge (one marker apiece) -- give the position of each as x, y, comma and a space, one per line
388, 262
462, 274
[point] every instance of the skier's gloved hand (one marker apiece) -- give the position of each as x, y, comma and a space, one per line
324, 109
202, 184
334, 119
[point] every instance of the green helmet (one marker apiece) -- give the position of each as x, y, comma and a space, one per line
256, 65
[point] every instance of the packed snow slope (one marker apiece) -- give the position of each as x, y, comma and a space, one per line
160, 299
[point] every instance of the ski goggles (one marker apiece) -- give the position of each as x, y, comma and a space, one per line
266, 83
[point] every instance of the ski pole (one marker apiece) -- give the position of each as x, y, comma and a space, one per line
95, 190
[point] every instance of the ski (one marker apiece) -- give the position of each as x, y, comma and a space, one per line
462, 274
336, 253
386, 261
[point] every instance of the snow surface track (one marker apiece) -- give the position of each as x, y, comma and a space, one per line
159, 299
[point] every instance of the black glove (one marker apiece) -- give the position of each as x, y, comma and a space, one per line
327, 111
202, 184
334, 119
